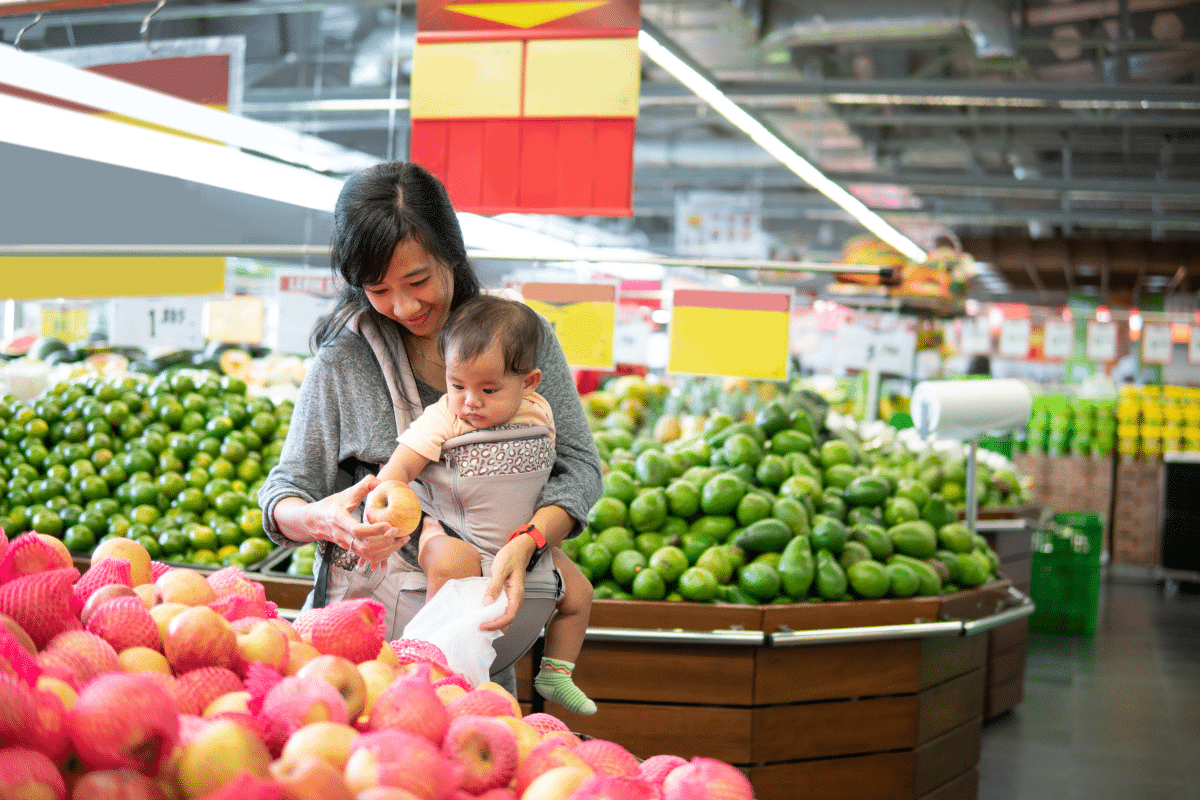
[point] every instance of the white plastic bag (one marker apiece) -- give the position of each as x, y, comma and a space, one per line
451, 621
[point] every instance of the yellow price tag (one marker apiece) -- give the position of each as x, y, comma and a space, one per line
67, 323
238, 320
583, 318
739, 334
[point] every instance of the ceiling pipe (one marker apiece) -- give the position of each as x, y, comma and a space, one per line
789, 23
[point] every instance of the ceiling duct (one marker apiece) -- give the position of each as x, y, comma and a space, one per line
791, 23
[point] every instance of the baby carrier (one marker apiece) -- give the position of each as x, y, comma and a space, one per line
484, 488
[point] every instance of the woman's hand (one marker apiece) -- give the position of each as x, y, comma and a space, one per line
508, 576
332, 519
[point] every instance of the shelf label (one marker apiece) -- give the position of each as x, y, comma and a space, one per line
40, 277
890, 351
302, 297
1014, 338
1156, 344
1194, 346
68, 323
236, 320
155, 323
733, 333
976, 337
1101, 341
806, 333
583, 317
1059, 339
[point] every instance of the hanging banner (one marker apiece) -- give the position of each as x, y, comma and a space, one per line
1156, 344
528, 106
583, 317
1101, 341
1014, 338
1058, 339
738, 334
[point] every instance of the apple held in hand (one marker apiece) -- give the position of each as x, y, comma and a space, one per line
395, 503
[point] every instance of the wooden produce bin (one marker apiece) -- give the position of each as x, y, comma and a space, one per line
1012, 539
866, 699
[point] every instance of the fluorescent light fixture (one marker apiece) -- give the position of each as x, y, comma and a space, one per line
92, 137
48, 77
690, 77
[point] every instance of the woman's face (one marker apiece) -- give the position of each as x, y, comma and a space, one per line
416, 290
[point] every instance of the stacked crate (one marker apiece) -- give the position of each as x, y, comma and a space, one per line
1137, 513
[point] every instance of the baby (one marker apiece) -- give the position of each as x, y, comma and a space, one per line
490, 346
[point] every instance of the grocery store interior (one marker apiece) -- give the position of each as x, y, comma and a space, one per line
886, 322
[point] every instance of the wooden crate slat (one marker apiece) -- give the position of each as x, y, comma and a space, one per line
820, 730
948, 756
827, 672
950, 704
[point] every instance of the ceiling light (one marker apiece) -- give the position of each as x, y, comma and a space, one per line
704, 88
48, 77
95, 138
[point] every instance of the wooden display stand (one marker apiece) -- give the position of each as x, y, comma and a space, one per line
1012, 539
866, 699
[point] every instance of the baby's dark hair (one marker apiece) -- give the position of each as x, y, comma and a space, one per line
488, 320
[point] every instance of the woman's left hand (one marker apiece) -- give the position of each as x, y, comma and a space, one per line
508, 576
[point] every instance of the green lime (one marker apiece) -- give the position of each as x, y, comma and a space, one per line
250, 470
760, 580
250, 521
229, 503
617, 539
79, 539
114, 475
626, 565
683, 498
93, 487
648, 585
172, 542
201, 537
222, 468
607, 512
619, 485
144, 514
698, 585
219, 426
669, 562
94, 520
228, 533
594, 560
46, 521
256, 548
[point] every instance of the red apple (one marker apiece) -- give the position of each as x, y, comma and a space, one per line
557, 783
543, 758
707, 777
124, 720
392, 757
259, 640
221, 750
343, 675
410, 703
200, 637
331, 741
183, 585
310, 777
486, 747
116, 784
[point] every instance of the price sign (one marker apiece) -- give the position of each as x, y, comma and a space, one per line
856, 346
976, 337
806, 335
303, 297
1059, 339
66, 323
157, 322
1014, 338
237, 320
1156, 344
1194, 346
741, 334
1101, 341
895, 351
583, 317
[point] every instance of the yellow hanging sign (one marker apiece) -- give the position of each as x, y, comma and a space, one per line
738, 334
583, 318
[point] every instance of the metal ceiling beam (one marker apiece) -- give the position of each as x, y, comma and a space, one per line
852, 91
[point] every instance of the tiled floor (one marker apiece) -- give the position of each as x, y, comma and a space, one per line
1113, 715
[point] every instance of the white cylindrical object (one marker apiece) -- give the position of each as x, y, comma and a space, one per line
967, 408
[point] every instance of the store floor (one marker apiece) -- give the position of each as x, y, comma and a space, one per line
1113, 715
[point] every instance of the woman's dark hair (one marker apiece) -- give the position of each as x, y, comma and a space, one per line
378, 209
488, 320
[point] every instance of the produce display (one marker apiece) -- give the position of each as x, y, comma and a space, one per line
172, 461
792, 503
140, 680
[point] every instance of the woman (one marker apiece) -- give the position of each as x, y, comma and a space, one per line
398, 247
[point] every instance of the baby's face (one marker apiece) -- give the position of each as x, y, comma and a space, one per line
482, 393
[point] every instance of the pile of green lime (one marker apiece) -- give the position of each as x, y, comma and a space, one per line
174, 461
778, 509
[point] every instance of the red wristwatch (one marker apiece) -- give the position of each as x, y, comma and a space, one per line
538, 538
532, 530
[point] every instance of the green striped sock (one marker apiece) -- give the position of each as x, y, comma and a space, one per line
554, 683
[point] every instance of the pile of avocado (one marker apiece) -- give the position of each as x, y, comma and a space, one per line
778, 509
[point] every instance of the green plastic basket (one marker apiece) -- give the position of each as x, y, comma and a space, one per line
1065, 584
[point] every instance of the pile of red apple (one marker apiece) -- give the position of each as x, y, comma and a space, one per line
141, 681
